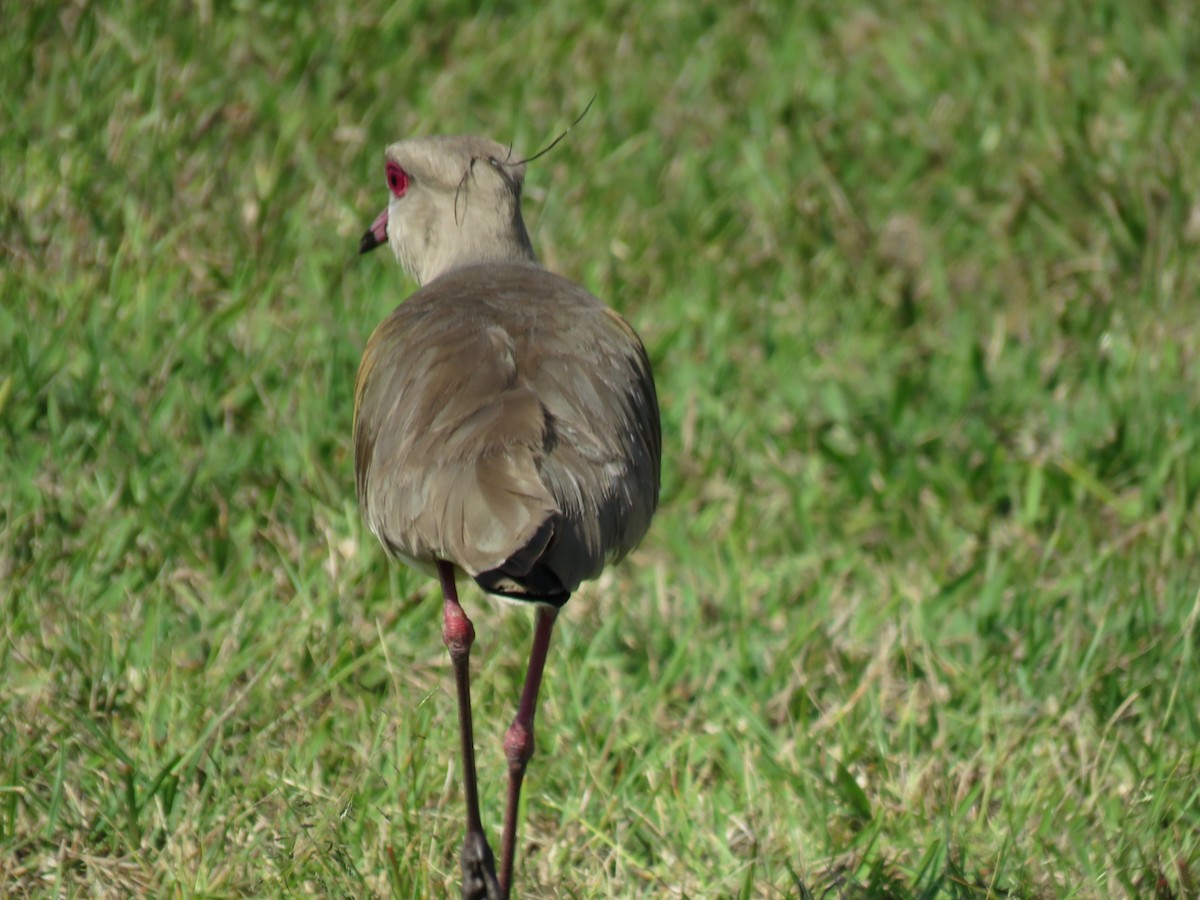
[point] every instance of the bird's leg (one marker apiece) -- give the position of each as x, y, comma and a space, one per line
478, 865
518, 740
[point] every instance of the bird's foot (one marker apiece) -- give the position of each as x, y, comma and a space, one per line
479, 869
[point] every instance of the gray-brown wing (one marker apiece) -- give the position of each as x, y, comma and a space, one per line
446, 440
605, 445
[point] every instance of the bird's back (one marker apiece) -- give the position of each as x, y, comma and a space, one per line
506, 421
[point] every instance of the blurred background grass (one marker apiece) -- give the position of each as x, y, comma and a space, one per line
918, 615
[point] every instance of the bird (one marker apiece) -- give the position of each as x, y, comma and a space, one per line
506, 428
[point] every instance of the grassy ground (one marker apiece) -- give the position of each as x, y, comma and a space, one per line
919, 613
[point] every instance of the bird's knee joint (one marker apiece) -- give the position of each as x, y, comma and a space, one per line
458, 635
518, 744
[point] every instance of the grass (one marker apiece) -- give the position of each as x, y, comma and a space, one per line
920, 613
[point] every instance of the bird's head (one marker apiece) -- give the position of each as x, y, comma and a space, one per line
453, 202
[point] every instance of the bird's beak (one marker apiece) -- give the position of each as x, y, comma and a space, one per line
376, 234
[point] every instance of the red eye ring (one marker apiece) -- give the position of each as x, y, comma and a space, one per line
397, 179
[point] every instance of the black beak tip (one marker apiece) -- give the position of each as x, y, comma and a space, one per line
368, 242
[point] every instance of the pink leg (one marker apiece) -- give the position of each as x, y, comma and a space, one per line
518, 740
478, 866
